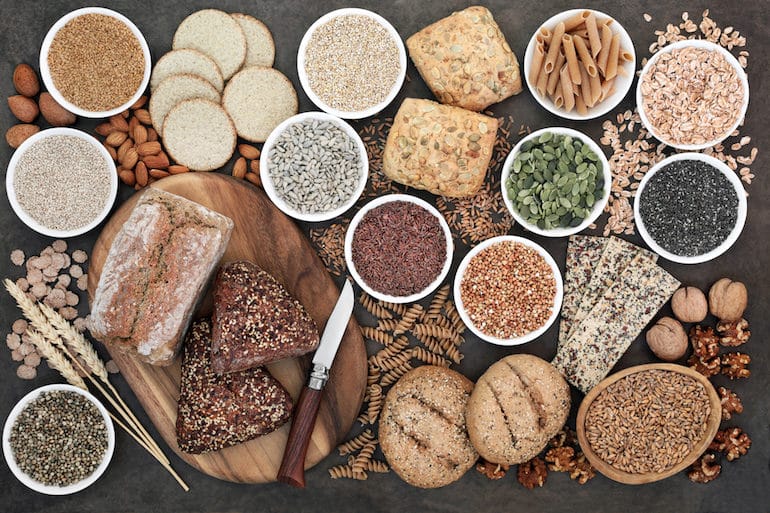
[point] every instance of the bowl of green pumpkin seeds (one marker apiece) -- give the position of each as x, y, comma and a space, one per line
556, 182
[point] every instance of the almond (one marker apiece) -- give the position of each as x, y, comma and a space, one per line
159, 173
127, 176
149, 148
141, 176
138, 104
104, 129
152, 135
254, 165
239, 168
113, 153
143, 115
139, 134
25, 80
248, 151
177, 169
119, 123
25, 109
125, 114
254, 178
159, 161
116, 138
130, 158
54, 113
128, 143
132, 124
17, 134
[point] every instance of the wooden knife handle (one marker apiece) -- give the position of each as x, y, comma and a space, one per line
292, 469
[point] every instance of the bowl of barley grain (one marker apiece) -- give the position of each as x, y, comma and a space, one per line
648, 422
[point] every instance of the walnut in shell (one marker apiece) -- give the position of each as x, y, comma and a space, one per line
728, 299
667, 339
689, 304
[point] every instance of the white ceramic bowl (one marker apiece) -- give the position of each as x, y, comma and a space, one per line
303, 78
45, 71
731, 238
598, 207
622, 82
697, 43
267, 181
349, 248
25, 217
557, 300
37, 485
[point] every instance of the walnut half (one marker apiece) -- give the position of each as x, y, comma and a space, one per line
733, 333
532, 473
731, 403
704, 469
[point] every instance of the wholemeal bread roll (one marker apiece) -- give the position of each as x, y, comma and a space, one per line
518, 404
174, 90
465, 60
444, 150
187, 62
256, 320
216, 34
422, 427
155, 271
260, 48
214, 411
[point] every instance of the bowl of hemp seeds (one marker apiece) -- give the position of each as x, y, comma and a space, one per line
61, 182
508, 290
351, 63
314, 166
690, 208
58, 439
95, 62
398, 248
556, 182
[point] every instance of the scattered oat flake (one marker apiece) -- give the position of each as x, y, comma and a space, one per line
82, 283
76, 271
79, 256
19, 326
17, 257
26, 372
112, 367
59, 246
13, 341
32, 359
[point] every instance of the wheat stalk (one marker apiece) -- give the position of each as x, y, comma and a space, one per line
56, 359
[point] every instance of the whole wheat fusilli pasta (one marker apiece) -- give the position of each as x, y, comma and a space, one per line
379, 336
347, 472
428, 357
364, 457
408, 319
356, 443
394, 374
374, 307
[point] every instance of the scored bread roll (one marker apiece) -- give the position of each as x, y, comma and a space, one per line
422, 428
518, 404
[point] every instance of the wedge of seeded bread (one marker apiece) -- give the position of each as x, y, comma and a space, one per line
216, 34
199, 134
260, 48
176, 89
187, 62
258, 99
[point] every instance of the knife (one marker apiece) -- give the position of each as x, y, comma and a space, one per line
292, 470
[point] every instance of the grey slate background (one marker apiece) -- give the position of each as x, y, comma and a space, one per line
135, 482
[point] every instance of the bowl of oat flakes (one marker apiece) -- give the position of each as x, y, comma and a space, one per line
95, 62
351, 63
692, 94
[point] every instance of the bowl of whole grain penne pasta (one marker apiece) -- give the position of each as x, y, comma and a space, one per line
580, 64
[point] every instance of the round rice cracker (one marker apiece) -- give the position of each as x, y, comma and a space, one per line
216, 34
199, 134
175, 89
258, 99
187, 62
260, 47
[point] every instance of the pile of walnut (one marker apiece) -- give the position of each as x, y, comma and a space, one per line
727, 301
563, 454
24, 107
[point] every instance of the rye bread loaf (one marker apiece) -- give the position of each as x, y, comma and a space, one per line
214, 411
422, 427
256, 321
518, 404
155, 271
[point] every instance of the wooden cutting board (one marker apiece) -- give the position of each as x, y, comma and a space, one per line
265, 236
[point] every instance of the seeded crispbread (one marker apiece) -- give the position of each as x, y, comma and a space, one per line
214, 411
176, 89
260, 47
187, 61
256, 321
422, 427
199, 134
216, 34
258, 99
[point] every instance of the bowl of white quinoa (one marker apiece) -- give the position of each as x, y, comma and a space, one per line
314, 166
351, 63
61, 182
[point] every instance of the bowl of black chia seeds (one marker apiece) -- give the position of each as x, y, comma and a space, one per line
58, 439
351, 63
690, 208
556, 182
398, 248
61, 182
314, 166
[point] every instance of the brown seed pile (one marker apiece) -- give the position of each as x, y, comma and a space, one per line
329, 242
648, 421
407, 336
136, 148
53, 277
96, 62
635, 151
508, 290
